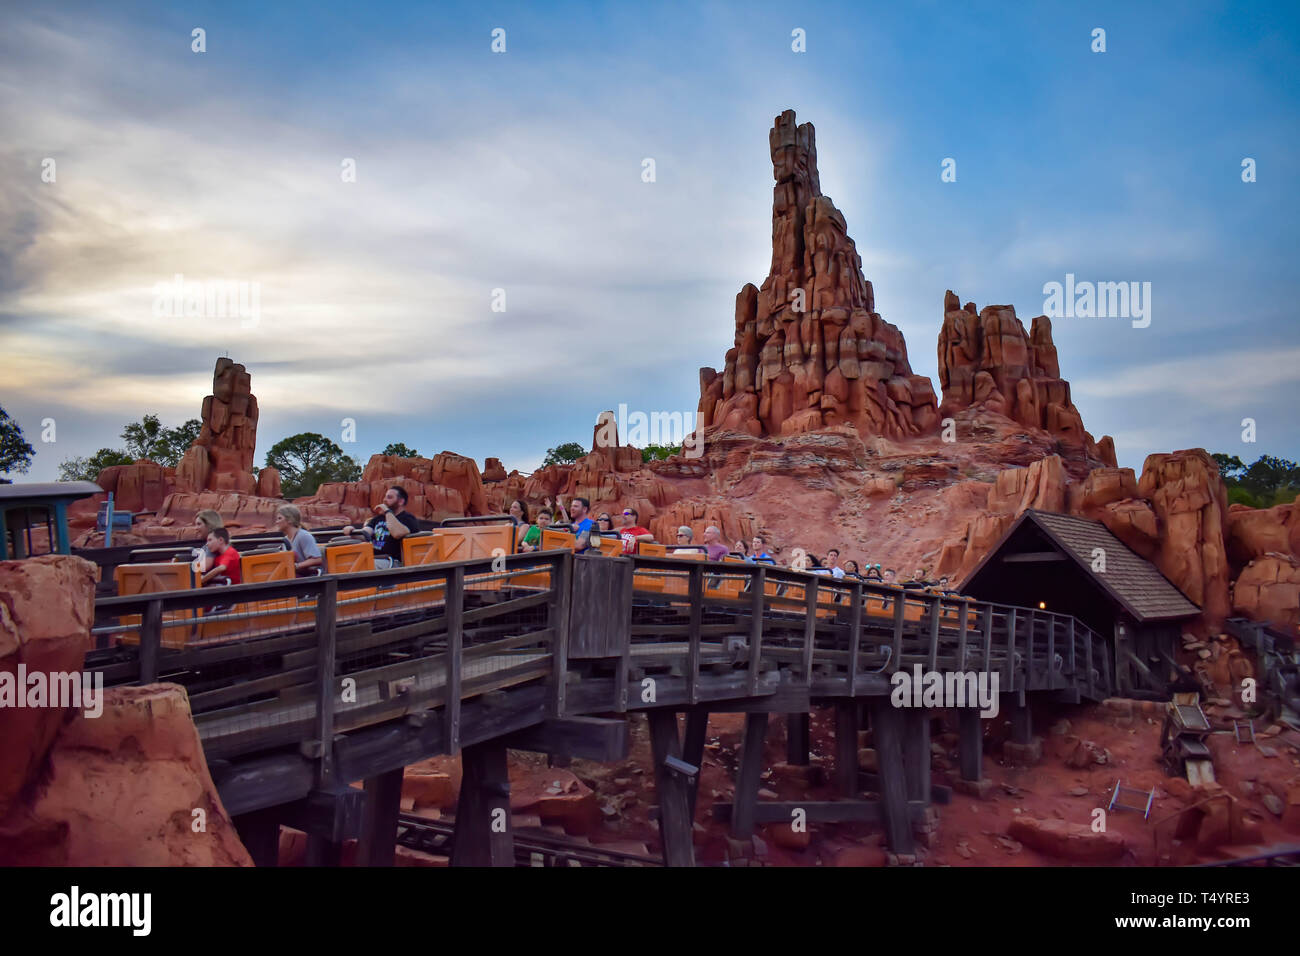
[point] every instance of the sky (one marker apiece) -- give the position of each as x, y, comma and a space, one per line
486, 178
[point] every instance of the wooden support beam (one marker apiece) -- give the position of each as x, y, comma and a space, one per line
558, 615
693, 638
797, 739
1033, 557
1022, 723
809, 628
970, 743
259, 831
916, 753
454, 611
591, 738
886, 734
697, 727
846, 747
747, 775
759, 583
483, 836
150, 641
673, 781
379, 823
855, 634
327, 690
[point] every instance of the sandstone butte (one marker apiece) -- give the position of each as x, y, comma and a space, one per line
818, 434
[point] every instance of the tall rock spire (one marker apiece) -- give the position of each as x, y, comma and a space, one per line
810, 349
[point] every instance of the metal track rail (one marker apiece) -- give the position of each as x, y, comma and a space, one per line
531, 849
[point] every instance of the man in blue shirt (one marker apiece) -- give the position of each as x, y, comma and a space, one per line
757, 553
582, 525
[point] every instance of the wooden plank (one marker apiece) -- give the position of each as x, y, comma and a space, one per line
900, 609
590, 738
560, 619
696, 591
600, 609
886, 733
672, 790
1051, 652
748, 775
855, 634
455, 642
150, 641
759, 581
970, 743
987, 625
1011, 649
916, 753
797, 738
961, 634
483, 836
1074, 666
1087, 650
846, 747
697, 727
326, 685
378, 844
936, 613
809, 627
1033, 557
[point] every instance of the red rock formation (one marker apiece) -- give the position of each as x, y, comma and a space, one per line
1269, 590
118, 788
268, 482
140, 486
604, 444
445, 470
221, 458
493, 470
122, 789
988, 360
46, 610
810, 349
1191, 507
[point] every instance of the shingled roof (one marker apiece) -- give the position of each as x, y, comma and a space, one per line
1134, 582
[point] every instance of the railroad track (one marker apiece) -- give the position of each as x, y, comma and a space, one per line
1288, 855
532, 849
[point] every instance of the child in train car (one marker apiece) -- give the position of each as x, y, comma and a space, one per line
225, 558
208, 520
532, 540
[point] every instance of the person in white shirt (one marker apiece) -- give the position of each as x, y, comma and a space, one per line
833, 563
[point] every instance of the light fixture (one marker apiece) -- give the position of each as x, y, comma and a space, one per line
1042, 605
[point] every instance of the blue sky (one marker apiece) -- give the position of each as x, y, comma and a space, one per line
522, 171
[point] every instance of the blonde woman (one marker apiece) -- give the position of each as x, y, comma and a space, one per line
206, 521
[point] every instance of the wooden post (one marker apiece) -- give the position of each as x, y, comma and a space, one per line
455, 613
150, 641
1051, 652
747, 775
900, 602
809, 627
885, 721
936, 612
1022, 723
855, 634
1087, 653
378, 843
987, 625
797, 739
1074, 666
259, 831
846, 747
916, 753
696, 592
961, 634
970, 748
1011, 648
697, 727
326, 686
483, 836
561, 584
672, 786
756, 596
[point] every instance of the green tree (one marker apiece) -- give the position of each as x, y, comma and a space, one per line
307, 460
145, 438
651, 452
1268, 481
564, 454
15, 453
88, 469
177, 441
400, 450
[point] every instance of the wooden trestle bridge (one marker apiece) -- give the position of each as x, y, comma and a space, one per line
301, 686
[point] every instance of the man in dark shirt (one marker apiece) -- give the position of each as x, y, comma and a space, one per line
391, 523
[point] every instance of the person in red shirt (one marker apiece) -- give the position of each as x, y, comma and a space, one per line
225, 561
632, 532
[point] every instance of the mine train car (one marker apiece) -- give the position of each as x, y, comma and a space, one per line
266, 558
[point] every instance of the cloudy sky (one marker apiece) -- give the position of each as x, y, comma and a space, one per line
522, 171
